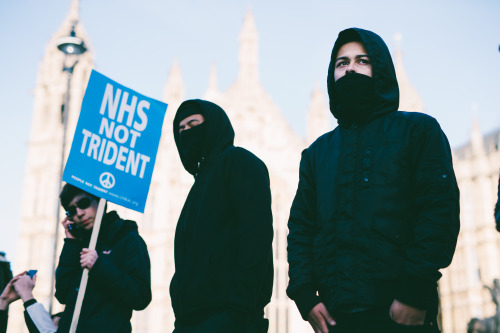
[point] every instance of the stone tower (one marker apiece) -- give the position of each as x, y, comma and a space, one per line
409, 100
259, 124
260, 127
475, 264
319, 118
40, 200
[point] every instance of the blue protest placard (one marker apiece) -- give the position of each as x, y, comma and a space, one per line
115, 143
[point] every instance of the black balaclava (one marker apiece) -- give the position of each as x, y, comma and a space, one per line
191, 141
206, 140
353, 93
355, 97
358, 98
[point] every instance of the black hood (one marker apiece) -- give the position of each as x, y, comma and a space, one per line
219, 131
386, 88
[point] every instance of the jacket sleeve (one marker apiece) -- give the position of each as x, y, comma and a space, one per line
4, 318
68, 272
302, 229
132, 285
250, 199
437, 223
497, 208
37, 318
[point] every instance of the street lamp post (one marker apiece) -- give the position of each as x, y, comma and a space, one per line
72, 47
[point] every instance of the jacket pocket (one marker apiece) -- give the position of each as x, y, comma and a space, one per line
389, 241
393, 231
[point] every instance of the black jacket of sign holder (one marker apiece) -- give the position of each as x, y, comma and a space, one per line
119, 281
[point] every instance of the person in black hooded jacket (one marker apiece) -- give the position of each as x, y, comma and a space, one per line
119, 268
376, 213
223, 242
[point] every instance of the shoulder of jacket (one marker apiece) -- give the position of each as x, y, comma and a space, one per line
241, 154
415, 117
418, 124
126, 229
322, 140
131, 240
241, 160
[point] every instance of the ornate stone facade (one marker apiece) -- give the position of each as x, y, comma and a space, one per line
40, 198
260, 127
477, 257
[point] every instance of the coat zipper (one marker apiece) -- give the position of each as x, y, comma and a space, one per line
180, 280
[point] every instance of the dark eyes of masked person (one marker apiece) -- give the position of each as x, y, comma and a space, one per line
360, 61
352, 58
191, 121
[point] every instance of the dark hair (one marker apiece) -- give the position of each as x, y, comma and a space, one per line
346, 36
68, 192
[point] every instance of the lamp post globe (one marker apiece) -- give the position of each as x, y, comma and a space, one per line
71, 44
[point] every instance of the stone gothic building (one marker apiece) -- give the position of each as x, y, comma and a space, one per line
260, 127
477, 257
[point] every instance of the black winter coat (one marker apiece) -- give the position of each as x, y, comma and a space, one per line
376, 213
119, 281
223, 240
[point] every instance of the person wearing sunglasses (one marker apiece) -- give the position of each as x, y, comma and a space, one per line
119, 268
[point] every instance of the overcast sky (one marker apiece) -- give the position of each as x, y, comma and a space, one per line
451, 55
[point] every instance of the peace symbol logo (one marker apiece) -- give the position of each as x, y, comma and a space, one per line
107, 180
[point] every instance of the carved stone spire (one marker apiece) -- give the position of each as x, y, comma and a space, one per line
51, 80
409, 98
74, 12
248, 57
318, 119
174, 91
212, 92
42, 172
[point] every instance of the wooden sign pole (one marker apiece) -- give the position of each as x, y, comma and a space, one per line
85, 275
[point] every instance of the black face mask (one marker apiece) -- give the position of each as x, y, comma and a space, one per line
353, 97
191, 143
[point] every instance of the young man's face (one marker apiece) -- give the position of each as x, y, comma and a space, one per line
83, 209
352, 57
191, 121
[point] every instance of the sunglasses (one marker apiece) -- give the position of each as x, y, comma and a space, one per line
83, 203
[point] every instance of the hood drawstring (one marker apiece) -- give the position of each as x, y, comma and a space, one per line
199, 166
